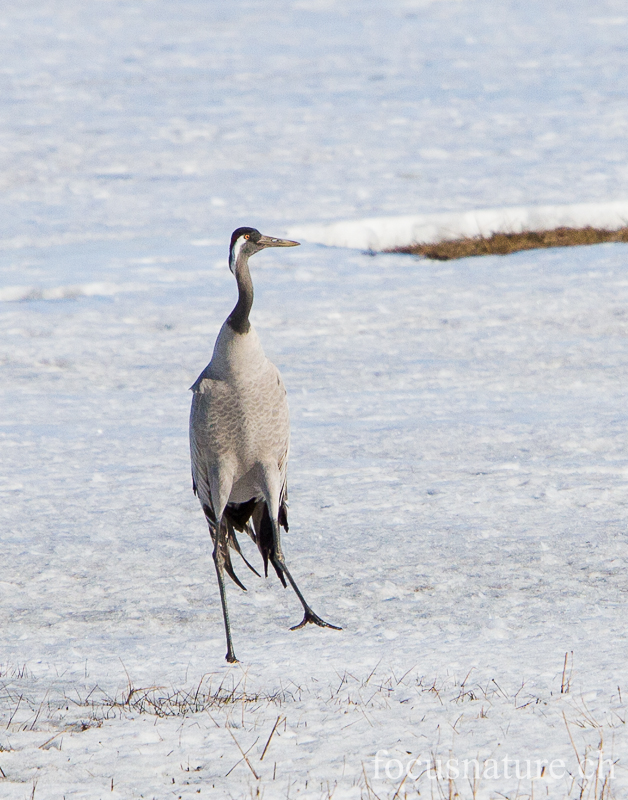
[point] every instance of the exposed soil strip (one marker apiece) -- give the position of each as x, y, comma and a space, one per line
504, 243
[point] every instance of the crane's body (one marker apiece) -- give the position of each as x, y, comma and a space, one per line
240, 437
239, 417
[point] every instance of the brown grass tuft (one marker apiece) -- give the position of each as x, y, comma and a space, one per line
504, 243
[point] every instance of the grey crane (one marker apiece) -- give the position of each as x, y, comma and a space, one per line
239, 439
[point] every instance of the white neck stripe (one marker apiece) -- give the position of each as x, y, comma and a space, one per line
235, 252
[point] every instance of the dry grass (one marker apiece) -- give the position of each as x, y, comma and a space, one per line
259, 726
163, 702
504, 243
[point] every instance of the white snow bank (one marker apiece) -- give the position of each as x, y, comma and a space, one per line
384, 233
99, 288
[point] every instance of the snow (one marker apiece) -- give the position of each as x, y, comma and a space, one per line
386, 233
459, 460
102, 289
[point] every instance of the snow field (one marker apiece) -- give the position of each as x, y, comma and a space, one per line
140, 118
457, 490
376, 735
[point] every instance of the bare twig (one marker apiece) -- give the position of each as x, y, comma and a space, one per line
573, 744
244, 758
44, 746
373, 671
270, 737
566, 681
369, 788
19, 700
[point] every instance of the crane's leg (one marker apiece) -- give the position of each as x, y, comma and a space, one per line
271, 483
220, 483
220, 547
279, 563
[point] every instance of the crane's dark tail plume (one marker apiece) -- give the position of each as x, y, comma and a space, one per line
230, 541
265, 540
233, 542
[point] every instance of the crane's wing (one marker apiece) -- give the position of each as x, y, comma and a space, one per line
209, 428
214, 433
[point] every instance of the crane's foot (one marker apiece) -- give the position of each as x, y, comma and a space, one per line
231, 657
310, 616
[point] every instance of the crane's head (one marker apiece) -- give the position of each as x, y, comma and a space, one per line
246, 241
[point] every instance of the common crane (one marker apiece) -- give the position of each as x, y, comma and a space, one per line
239, 439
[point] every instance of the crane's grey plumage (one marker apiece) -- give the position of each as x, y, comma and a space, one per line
240, 436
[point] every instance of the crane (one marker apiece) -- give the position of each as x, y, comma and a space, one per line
239, 439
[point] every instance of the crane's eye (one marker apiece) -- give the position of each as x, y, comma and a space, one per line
247, 236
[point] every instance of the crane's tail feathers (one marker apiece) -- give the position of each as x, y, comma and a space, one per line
232, 541
252, 518
233, 576
265, 541
222, 542
229, 570
283, 515
237, 518
238, 514
210, 517
250, 566
279, 572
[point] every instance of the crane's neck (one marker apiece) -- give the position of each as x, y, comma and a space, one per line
239, 317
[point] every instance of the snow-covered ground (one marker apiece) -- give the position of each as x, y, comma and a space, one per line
460, 447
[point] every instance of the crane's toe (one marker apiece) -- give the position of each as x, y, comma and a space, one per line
310, 616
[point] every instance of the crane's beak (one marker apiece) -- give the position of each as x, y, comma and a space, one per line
270, 241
